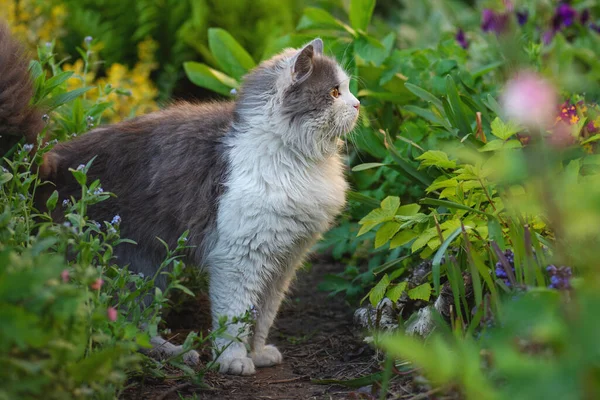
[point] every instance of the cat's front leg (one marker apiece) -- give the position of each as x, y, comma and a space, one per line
234, 288
262, 354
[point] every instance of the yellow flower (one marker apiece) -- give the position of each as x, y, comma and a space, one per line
574, 119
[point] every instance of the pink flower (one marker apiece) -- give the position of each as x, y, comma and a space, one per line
65, 275
112, 313
97, 284
529, 100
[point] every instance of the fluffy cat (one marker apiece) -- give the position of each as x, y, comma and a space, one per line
255, 181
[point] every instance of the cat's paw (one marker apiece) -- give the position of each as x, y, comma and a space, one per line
267, 356
236, 366
191, 358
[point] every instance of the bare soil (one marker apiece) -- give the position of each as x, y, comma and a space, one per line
313, 332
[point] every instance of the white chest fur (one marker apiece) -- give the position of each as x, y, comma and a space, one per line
275, 200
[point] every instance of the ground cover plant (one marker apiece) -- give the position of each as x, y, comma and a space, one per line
470, 238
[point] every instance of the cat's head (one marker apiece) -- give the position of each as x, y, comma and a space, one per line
303, 95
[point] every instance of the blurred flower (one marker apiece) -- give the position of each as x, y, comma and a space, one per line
522, 17
529, 100
116, 220
80, 167
560, 278
501, 271
592, 127
493, 22
461, 39
28, 147
97, 284
547, 37
112, 313
64, 275
568, 113
563, 16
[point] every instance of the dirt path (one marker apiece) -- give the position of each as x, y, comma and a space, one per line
315, 335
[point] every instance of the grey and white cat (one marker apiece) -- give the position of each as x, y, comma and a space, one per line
255, 181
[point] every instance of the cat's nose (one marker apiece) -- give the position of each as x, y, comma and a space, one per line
356, 105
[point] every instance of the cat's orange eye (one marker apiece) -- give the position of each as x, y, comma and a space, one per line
335, 92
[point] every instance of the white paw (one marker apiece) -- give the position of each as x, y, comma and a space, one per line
236, 366
191, 358
267, 357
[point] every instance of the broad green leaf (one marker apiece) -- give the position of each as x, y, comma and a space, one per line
383, 214
428, 115
206, 77
230, 55
5, 177
423, 238
421, 292
385, 233
360, 13
495, 145
402, 238
376, 294
504, 130
317, 18
408, 209
462, 122
396, 291
436, 158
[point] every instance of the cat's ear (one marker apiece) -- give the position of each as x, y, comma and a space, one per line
302, 63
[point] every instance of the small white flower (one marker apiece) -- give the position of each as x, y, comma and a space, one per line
116, 220
66, 203
98, 191
80, 167
28, 147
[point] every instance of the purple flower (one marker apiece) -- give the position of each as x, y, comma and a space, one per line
522, 17
595, 27
547, 37
564, 15
461, 39
560, 278
493, 22
116, 220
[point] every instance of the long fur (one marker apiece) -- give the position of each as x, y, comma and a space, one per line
17, 118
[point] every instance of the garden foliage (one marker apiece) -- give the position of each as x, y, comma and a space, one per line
476, 151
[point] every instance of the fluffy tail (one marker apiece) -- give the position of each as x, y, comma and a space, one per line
17, 118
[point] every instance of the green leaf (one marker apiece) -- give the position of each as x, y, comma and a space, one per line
385, 233
495, 145
437, 259
405, 165
425, 95
206, 77
383, 214
363, 199
402, 238
316, 18
421, 292
396, 291
5, 177
423, 238
408, 209
462, 121
365, 166
63, 98
435, 158
376, 294
428, 115
360, 13
504, 131
57, 80
51, 202
230, 55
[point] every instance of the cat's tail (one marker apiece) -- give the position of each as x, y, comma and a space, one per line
17, 118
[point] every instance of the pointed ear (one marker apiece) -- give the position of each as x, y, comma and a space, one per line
302, 63
317, 45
